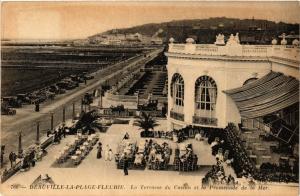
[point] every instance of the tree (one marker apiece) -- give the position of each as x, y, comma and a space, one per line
146, 122
88, 122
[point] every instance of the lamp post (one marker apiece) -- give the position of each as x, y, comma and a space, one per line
73, 111
37, 142
137, 99
2, 155
64, 114
100, 98
52, 121
20, 150
81, 106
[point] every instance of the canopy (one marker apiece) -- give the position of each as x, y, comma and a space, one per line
266, 95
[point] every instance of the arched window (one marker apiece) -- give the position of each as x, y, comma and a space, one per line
205, 93
250, 80
177, 89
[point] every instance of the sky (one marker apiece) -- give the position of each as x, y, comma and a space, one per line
74, 20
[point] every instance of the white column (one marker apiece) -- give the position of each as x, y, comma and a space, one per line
189, 100
170, 100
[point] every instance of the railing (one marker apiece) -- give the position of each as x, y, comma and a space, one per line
253, 50
121, 98
176, 115
128, 113
11, 171
178, 47
205, 120
125, 113
206, 48
280, 51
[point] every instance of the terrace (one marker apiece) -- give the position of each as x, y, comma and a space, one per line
233, 50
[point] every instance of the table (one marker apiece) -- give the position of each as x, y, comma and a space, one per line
266, 159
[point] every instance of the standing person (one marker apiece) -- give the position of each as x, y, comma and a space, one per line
106, 152
14, 158
64, 131
110, 155
48, 133
125, 167
2, 154
99, 151
32, 158
11, 154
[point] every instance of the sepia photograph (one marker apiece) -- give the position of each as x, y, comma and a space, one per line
149, 98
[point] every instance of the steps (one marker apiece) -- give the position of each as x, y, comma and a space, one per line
259, 150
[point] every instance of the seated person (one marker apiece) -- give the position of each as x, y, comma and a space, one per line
138, 159
198, 137
48, 133
215, 142
220, 156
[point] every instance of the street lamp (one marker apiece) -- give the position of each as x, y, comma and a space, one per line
20, 150
37, 142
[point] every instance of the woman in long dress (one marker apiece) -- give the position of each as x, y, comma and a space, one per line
99, 155
106, 153
110, 155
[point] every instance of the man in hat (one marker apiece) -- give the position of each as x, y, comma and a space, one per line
125, 159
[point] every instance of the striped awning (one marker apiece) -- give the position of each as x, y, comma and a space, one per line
266, 95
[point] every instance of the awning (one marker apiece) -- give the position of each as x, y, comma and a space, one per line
266, 95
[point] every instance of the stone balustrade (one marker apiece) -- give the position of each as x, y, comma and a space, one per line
287, 52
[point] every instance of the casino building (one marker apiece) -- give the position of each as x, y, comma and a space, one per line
211, 85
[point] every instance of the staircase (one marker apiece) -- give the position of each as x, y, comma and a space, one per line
259, 150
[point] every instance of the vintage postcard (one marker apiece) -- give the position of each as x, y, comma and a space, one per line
150, 98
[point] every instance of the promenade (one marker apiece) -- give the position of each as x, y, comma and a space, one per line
26, 118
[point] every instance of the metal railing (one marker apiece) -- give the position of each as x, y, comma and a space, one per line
176, 115
205, 120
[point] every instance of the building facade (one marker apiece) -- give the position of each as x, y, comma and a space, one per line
199, 75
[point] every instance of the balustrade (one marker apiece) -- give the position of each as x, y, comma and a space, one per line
176, 115
205, 120
279, 51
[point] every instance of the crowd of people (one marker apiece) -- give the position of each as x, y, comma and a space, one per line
185, 159
158, 155
125, 151
242, 165
216, 176
278, 173
58, 133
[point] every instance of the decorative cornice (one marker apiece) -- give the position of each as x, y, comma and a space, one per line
283, 61
207, 57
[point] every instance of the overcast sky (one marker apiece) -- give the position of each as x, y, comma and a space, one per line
62, 20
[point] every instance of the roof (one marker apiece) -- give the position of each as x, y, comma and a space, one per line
266, 95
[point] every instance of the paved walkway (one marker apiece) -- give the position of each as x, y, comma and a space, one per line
94, 171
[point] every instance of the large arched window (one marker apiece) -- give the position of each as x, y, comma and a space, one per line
177, 89
205, 93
